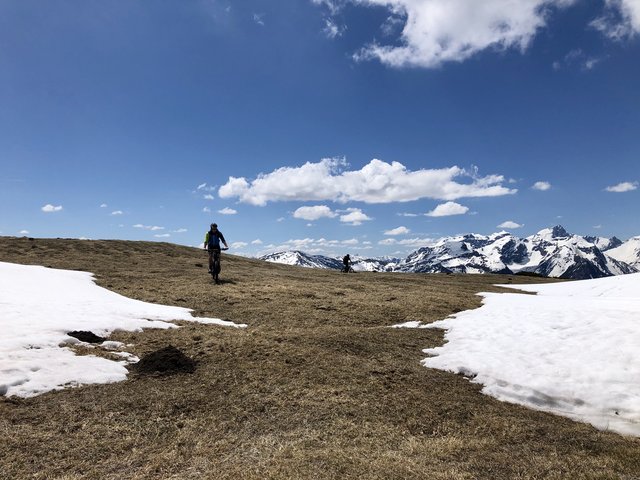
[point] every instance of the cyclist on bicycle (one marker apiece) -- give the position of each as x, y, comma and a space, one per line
212, 243
347, 263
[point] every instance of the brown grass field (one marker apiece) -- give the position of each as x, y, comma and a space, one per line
317, 387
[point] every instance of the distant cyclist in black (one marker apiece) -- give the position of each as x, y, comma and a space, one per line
347, 263
212, 242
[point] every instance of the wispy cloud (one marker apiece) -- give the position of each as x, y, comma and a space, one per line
117, 212
620, 20
258, 18
162, 235
208, 196
180, 230
104, 205
206, 210
153, 228
622, 187
332, 29
448, 209
577, 58
48, 208
376, 182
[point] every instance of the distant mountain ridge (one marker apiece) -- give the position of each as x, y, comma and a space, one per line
552, 252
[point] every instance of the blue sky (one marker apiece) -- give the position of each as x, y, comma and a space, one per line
325, 125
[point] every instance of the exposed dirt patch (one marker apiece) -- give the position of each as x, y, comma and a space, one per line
167, 360
85, 336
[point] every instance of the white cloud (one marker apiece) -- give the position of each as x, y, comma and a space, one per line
257, 241
162, 235
201, 186
387, 241
208, 196
620, 20
376, 182
314, 213
439, 31
397, 231
227, 211
23, 232
448, 209
510, 225
153, 228
280, 219
239, 244
354, 217
408, 215
542, 186
622, 187
180, 230
351, 241
332, 29
416, 242
206, 210
597, 227
48, 208
104, 205
258, 18
117, 212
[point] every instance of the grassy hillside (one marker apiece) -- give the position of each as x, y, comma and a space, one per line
316, 387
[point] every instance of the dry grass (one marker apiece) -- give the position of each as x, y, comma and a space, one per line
316, 387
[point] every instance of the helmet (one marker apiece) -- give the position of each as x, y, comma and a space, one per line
214, 225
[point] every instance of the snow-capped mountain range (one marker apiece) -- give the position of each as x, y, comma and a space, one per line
552, 252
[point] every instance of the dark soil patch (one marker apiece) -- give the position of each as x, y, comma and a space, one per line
85, 336
167, 360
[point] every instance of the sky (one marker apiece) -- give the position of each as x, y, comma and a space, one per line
369, 127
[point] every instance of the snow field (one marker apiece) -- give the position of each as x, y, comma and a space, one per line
573, 349
39, 305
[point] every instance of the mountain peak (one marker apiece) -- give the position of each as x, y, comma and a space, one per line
558, 232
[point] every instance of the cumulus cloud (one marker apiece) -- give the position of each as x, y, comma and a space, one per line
509, 224
439, 31
153, 228
257, 241
117, 212
622, 187
448, 209
23, 232
48, 208
227, 211
239, 244
398, 231
314, 213
376, 182
208, 196
542, 186
354, 216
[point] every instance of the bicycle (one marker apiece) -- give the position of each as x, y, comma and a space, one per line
215, 265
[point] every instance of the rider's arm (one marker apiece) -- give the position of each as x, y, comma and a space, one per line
222, 238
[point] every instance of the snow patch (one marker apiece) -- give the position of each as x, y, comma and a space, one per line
573, 349
39, 305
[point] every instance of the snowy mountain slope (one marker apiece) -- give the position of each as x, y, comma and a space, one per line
628, 252
551, 252
301, 259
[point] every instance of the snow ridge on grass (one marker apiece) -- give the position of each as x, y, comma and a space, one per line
39, 305
573, 349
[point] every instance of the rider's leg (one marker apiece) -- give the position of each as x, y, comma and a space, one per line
210, 261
